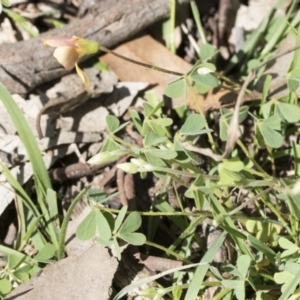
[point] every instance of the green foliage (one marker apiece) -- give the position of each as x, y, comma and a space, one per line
108, 230
193, 125
266, 244
201, 76
21, 21
38, 221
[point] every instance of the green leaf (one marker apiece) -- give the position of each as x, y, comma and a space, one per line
193, 125
105, 243
290, 286
106, 156
110, 145
153, 139
266, 109
233, 164
204, 68
103, 227
182, 156
201, 271
292, 83
295, 73
136, 120
201, 89
87, 228
207, 51
176, 289
5, 287
14, 261
240, 290
131, 223
272, 138
290, 112
22, 22
165, 122
134, 238
120, 218
265, 231
163, 153
97, 195
230, 284
27, 138
228, 177
262, 247
273, 122
154, 109
46, 253
243, 264
296, 154
229, 171
266, 88
205, 79
22, 276
148, 109
283, 278
154, 160
153, 99
112, 123
176, 89
128, 167
289, 246
116, 247
5, 3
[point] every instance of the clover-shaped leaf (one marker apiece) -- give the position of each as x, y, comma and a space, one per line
265, 232
47, 252
268, 129
290, 247
176, 89
131, 224
95, 220
283, 278
193, 125
290, 112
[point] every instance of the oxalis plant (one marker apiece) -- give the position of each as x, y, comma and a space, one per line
267, 245
170, 156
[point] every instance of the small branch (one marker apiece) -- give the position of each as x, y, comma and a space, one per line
139, 63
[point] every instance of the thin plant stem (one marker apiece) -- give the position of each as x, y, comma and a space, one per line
197, 19
64, 226
277, 213
139, 63
172, 25
169, 252
210, 137
122, 142
244, 149
160, 214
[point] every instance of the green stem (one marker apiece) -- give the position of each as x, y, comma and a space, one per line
172, 25
210, 137
197, 18
168, 251
117, 139
160, 214
244, 149
277, 213
63, 230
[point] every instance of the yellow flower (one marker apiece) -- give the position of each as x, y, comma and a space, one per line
69, 50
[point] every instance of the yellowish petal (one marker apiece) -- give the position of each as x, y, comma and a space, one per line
66, 56
82, 75
59, 42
